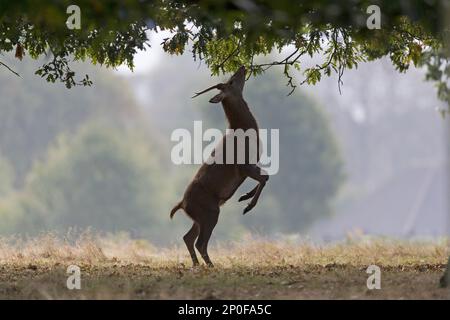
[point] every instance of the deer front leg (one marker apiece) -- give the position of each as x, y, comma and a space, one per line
254, 172
248, 195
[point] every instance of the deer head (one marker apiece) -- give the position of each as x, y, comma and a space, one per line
232, 88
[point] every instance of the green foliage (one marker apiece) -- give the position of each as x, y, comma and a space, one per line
98, 179
226, 34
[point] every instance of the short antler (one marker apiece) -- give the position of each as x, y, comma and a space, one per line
217, 86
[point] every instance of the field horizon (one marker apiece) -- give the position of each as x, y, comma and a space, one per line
253, 268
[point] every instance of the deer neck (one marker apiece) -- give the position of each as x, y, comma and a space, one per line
238, 114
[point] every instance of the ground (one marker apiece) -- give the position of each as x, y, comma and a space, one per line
248, 269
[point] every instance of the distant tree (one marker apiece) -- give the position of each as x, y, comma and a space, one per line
99, 178
33, 114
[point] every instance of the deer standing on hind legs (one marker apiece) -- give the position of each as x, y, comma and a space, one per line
216, 182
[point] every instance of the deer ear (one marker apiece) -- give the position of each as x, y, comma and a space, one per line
217, 98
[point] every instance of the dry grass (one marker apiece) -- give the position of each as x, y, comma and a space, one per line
117, 267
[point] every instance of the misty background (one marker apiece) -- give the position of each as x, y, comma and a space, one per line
368, 161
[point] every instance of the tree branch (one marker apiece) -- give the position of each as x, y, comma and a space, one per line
7, 67
232, 53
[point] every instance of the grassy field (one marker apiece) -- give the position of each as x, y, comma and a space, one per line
119, 268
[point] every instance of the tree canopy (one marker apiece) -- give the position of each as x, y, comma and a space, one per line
228, 33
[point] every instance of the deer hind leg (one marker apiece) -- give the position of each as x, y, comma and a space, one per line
206, 227
189, 239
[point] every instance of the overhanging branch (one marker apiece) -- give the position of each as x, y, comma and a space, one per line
11, 70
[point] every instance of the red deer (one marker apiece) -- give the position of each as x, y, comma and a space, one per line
215, 183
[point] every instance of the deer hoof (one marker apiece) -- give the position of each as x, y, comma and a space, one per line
247, 209
244, 197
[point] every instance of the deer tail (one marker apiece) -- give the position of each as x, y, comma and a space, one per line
175, 209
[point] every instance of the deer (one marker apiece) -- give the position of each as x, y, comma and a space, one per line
215, 183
